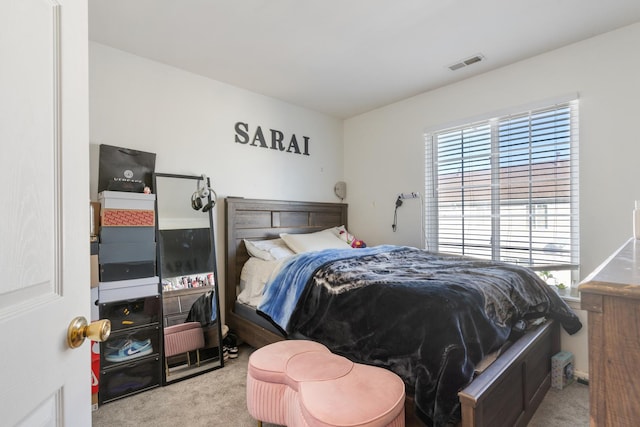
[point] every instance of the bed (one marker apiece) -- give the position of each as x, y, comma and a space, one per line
506, 393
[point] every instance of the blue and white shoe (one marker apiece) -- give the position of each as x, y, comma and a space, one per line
129, 349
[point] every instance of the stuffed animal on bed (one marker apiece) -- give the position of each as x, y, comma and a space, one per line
351, 239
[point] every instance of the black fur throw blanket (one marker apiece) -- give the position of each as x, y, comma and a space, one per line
428, 317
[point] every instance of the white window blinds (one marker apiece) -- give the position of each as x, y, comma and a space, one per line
506, 188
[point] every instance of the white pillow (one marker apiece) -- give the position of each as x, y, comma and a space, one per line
254, 275
325, 239
338, 230
268, 250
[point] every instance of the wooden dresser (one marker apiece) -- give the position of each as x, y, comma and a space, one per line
176, 304
611, 296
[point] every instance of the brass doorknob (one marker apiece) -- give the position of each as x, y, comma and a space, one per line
79, 329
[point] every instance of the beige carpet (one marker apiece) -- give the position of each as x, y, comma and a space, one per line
217, 399
564, 408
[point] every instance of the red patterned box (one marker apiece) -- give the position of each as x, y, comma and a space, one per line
127, 217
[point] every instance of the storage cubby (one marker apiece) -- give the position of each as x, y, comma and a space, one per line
130, 344
131, 313
129, 378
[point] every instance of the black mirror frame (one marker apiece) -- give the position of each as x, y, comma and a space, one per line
213, 263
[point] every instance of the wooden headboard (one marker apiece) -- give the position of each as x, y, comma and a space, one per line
256, 219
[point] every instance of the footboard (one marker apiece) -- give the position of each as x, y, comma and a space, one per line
509, 391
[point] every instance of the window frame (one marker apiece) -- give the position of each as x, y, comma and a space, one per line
432, 208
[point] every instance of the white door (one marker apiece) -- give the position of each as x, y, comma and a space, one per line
44, 214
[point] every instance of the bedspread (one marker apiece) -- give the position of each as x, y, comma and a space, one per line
428, 317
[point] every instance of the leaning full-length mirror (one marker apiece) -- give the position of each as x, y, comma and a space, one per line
187, 268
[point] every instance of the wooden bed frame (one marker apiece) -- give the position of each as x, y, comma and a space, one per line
507, 393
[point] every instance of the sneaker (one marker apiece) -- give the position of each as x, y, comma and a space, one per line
230, 340
129, 349
123, 383
233, 352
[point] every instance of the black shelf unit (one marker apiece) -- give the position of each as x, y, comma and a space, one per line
136, 320
129, 296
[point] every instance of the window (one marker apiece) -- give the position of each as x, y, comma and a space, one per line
506, 189
539, 217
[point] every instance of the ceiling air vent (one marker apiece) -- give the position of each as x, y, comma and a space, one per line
466, 62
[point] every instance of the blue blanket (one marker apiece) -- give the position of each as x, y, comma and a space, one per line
282, 294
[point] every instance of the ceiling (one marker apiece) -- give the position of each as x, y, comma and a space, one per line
346, 57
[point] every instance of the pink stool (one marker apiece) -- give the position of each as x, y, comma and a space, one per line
301, 383
182, 338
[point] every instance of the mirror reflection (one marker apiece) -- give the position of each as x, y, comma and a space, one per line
187, 269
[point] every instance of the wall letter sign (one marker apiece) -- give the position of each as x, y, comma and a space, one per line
274, 139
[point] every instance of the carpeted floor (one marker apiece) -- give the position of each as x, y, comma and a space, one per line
217, 399
564, 408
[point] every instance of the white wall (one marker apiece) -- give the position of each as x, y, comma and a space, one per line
188, 121
384, 149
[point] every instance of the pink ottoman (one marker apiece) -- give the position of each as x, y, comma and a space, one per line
301, 383
182, 338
